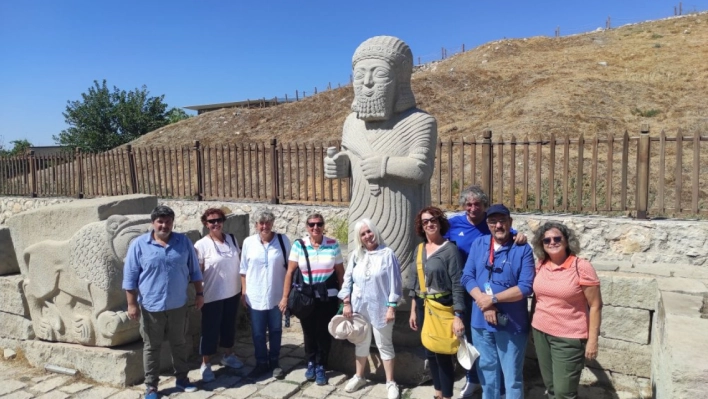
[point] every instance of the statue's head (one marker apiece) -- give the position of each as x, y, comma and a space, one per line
382, 68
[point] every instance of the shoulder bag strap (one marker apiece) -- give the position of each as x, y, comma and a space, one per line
421, 274
282, 248
307, 257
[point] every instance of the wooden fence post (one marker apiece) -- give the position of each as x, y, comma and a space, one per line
33, 173
487, 156
199, 195
643, 154
131, 169
274, 179
80, 160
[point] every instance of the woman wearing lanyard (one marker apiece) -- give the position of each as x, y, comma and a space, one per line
218, 255
442, 268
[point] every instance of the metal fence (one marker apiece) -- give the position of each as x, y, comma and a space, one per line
644, 175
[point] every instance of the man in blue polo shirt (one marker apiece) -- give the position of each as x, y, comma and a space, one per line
158, 268
466, 227
499, 276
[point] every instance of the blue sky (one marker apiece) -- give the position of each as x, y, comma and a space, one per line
201, 52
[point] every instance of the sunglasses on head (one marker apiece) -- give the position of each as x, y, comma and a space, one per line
428, 221
215, 221
313, 224
555, 239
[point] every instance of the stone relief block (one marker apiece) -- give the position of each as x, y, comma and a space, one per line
61, 221
73, 287
8, 260
12, 299
626, 324
15, 327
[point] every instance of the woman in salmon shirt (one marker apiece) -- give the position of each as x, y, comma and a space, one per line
566, 320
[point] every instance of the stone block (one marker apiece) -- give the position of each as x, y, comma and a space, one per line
628, 290
409, 363
623, 357
8, 259
682, 285
682, 304
12, 298
63, 220
16, 327
281, 390
626, 324
593, 376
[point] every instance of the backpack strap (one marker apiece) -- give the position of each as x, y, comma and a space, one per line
282, 248
307, 257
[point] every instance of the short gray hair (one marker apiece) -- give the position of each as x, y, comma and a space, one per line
568, 233
265, 217
315, 215
360, 249
474, 191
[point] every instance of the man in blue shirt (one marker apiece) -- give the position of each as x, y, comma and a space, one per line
158, 268
499, 276
466, 227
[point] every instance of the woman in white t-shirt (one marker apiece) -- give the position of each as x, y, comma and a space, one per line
219, 258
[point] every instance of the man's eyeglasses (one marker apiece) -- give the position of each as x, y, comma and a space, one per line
215, 221
428, 221
556, 239
493, 222
313, 224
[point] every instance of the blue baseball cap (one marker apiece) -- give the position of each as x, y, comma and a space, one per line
498, 209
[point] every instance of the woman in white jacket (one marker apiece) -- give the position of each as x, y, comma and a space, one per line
372, 288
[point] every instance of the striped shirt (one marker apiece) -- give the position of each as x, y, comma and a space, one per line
322, 260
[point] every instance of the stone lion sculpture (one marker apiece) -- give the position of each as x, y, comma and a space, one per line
388, 146
73, 287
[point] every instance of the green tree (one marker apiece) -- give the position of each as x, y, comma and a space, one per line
104, 119
18, 148
177, 114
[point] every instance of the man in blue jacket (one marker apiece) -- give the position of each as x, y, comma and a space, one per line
499, 276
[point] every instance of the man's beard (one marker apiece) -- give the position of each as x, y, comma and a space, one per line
377, 107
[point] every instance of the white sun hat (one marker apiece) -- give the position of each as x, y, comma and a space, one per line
466, 353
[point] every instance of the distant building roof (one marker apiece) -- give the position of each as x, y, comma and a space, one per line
47, 150
261, 103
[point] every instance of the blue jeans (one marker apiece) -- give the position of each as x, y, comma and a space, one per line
500, 352
471, 374
260, 320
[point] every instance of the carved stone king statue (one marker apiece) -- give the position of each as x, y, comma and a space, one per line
388, 146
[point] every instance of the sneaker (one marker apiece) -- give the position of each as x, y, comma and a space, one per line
468, 389
320, 377
310, 372
392, 389
354, 384
232, 361
207, 374
259, 370
278, 373
151, 393
185, 386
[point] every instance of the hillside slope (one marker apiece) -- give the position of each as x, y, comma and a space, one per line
601, 82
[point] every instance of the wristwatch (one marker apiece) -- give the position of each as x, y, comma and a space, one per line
494, 299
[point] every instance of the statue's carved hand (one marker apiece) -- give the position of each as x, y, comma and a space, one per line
336, 166
373, 167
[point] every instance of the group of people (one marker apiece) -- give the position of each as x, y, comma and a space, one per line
473, 262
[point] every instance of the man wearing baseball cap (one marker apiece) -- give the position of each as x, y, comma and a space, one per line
499, 276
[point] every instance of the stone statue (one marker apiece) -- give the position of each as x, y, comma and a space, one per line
73, 287
388, 146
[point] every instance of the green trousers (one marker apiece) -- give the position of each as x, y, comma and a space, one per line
561, 361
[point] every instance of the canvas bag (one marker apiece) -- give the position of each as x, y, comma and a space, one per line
437, 335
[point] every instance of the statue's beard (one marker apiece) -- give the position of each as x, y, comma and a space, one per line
377, 107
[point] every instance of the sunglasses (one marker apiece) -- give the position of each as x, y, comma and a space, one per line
215, 221
428, 221
313, 224
556, 239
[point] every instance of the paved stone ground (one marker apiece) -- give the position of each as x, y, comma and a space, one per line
18, 381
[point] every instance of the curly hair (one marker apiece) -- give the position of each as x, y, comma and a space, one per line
573, 247
438, 214
210, 211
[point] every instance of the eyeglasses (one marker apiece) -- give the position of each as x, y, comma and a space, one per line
215, 221
428, 221
556, 239
493, 222
313, 224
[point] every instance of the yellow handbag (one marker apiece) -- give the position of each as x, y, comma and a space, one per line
437, 335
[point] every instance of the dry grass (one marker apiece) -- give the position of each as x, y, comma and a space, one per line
656, 73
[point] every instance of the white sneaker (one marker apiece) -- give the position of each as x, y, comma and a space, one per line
207, 374
354, 384
468, 389
232, 361
392, 388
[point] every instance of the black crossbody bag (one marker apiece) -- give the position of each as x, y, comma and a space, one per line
301, 300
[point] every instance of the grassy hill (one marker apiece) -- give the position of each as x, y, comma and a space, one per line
602, 82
